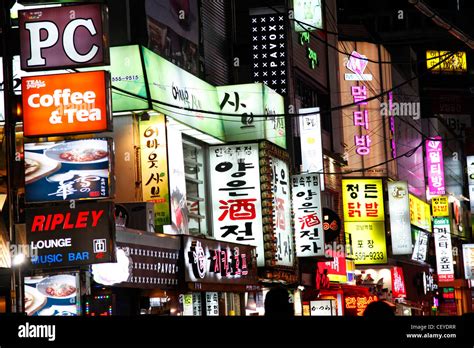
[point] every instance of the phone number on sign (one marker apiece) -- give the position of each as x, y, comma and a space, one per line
373, 255
125, 78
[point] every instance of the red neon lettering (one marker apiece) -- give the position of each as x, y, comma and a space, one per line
96, 216
82, 219
57, 220
67, 225
38, 222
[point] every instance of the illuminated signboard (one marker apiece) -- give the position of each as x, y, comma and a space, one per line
421, 246
468, 256
252, 99
440, 206
44, 298
368, 241
363, 200
68, 36
399, 206
307, 211
236, 198
211, 261
440, 61
356, 305
311, 142
311, 55
282, 213
68, 170
323, 308
308, 15
269, 47
65, 237
420, 214
366, 137
66, 103
435, 166
398, 282
154, 167
336, 269
444, 252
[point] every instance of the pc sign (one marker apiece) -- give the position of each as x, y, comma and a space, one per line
64, 37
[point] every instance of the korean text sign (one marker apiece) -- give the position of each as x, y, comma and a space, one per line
66, 103
356, 305
311, 142
211, 261
68, 170
308, 219
435, 166
399, 206
236, 198
398, 282
420, 214
154, 164
368, 241
282, 212
363, 200
64, 37
65, 237
440, 206
421, 246
468, 256
444, 252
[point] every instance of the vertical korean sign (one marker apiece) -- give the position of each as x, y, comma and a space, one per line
282, 212
444, 252
399, 206
440, 206
236, 198
435, 166
154, 167
309, 233
311, 143
364, 219
470, 180
468, 257
421, 246
398, 282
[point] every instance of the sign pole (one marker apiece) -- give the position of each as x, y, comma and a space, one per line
10, 146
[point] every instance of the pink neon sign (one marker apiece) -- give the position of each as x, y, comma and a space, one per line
361, 119
435, 166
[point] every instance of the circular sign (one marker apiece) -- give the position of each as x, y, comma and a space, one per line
331, 225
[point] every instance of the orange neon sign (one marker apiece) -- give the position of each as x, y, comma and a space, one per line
66, 103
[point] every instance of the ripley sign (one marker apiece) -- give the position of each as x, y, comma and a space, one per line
64, 37
67, 237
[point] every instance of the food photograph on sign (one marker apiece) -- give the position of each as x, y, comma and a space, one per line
69, 169
52, 295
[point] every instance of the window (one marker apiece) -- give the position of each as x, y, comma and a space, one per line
195, 155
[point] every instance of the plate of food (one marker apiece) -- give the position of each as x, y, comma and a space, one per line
60, 286
38, 166
79, 151
34, 300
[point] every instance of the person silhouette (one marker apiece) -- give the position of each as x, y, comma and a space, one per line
379, 309
277, 303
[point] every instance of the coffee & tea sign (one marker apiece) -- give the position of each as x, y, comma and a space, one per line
66, 103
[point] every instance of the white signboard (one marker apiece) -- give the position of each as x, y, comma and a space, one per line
323, 308
471, 198
212, 304
399, 206
444, 252
470, 170
311, 143
282, 212
468, 256
421, 246
308, 219
236, 197
308, 15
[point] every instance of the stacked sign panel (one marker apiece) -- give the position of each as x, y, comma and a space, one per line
364, 219
399, 217
444, 252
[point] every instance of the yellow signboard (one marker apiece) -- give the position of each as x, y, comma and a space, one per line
455, 63
154, 167
420, 214
368, 242
440, 206
362, 200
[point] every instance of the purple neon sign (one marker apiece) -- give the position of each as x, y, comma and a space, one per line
435, 166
